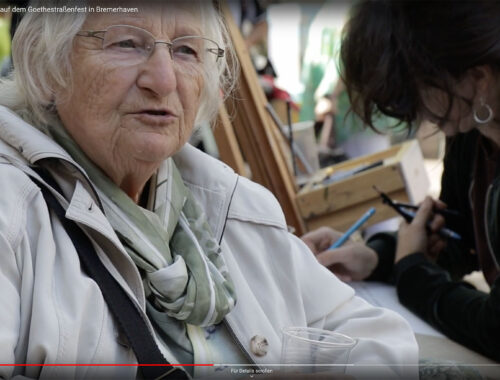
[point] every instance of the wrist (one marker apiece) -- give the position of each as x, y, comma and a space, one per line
384, 245
400, 254
403, 250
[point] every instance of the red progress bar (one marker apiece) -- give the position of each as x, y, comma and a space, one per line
105, 365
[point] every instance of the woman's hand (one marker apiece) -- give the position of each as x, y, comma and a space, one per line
421, 235
351, 262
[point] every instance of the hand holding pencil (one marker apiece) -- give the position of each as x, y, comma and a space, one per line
351, 262
422, 233
405, 210
356, 226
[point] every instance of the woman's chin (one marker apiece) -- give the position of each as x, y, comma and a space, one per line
154, 152
450, 130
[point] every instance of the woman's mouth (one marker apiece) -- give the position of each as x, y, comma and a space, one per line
155, 117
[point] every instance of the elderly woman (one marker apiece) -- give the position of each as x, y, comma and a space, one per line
95, 123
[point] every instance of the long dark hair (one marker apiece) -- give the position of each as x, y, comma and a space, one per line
391, 49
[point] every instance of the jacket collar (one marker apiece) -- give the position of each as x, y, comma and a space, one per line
212, 182
30, 142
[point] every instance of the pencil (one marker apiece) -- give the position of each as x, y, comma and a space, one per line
367, 215
442, 211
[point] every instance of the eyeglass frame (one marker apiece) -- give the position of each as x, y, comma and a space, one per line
219, 52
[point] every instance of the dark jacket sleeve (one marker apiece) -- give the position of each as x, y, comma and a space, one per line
456, 308
458, 258
384, 245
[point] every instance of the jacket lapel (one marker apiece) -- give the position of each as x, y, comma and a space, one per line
211, 182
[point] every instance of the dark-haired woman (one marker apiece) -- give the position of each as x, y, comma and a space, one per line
440, 61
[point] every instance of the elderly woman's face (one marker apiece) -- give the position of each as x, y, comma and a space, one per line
129, 117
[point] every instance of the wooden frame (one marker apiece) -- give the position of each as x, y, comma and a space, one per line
227, 144
401, 175
256, 133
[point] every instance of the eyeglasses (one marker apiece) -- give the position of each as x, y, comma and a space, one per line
131, 45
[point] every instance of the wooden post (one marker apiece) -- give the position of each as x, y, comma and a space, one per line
229, 151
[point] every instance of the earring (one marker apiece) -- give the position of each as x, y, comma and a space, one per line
483, 109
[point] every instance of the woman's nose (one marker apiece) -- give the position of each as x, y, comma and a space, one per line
158, 73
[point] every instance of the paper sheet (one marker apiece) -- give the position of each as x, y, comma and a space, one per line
384, 295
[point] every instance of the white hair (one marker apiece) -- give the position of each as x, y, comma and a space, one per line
41, 51
223, 78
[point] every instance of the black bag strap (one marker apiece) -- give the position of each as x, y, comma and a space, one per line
153, 363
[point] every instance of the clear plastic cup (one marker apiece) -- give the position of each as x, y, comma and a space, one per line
311, 350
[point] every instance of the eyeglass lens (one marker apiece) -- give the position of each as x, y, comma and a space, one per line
134, 45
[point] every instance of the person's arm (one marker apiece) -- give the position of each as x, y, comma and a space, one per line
10, 304
351, 262
456, 308
384, 338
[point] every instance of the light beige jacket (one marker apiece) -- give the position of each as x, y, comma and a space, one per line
52, 313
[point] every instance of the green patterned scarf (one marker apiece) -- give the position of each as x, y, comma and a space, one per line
183, 269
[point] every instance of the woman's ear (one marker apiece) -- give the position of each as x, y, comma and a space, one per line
485, 82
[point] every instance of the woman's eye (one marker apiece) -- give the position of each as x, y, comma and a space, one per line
185, 49
128, 44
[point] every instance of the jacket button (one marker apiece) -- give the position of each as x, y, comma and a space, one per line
259, 345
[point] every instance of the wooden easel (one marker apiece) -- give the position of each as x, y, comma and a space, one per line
227, 144
256, 134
